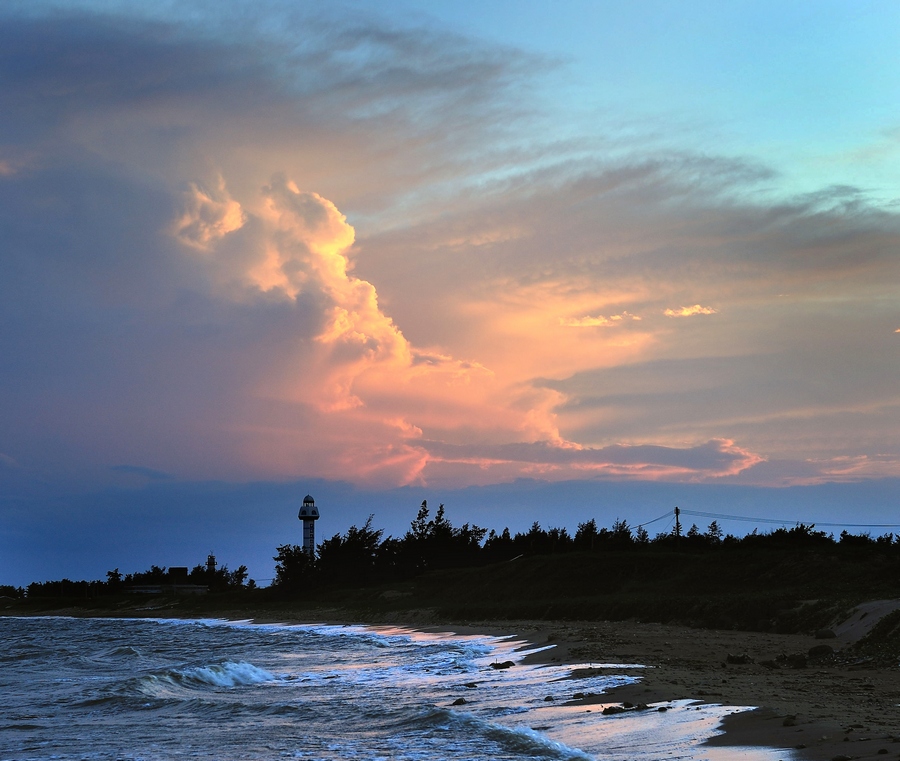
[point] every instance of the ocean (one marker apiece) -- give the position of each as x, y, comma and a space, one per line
156, 689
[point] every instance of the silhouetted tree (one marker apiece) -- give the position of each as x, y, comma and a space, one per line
499, 546
713, 533
621, 534
294, 568
586, 535
436, 543
351, 556
237, 577
114, 580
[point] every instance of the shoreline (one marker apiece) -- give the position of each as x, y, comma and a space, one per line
818, 713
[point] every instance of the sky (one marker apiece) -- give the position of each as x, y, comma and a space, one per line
534, 260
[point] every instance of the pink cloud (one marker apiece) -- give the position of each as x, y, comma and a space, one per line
362, 387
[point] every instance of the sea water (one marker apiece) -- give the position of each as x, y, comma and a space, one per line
154, 690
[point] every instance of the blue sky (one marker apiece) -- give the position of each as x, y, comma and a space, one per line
644, 249
809, 87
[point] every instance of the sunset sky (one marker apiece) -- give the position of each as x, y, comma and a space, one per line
535, 260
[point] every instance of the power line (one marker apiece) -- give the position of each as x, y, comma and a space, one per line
721, 516
647, 523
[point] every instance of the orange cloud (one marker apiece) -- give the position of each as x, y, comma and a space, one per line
599, 321
363, 388
350, 396
689, 311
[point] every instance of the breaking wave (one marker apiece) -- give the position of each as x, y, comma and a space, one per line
217, 676
516, 740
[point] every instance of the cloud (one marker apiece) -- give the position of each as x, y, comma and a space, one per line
354, 253
364, 111
689, 311
208, 216
308, 241
858, 467
714, 459
178, 316
599, 321
360, 373
351, 377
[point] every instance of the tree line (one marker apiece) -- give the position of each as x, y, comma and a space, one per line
361, 556
214, 579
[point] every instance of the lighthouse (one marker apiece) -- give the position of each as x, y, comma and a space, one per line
309, 514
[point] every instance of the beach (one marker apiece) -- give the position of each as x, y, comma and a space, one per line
849, 708
843, 708
819, 712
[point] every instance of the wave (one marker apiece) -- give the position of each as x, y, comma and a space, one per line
532, 743
123, 650
216, 676
522, 741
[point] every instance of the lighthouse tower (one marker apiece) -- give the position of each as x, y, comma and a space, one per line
309, 514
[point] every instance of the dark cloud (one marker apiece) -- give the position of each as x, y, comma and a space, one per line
398, 109
714, 458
